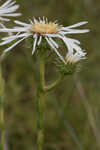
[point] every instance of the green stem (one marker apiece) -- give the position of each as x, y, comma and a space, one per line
42, 72
40, 105
42, 89
53, 85
40, 124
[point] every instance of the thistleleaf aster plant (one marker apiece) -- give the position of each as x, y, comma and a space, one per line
8, 10
41, 28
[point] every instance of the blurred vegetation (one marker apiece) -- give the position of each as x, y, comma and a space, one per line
72, 110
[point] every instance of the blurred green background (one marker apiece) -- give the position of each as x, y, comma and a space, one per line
72, 110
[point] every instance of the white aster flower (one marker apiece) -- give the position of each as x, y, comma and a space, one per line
7, 10
72, 58
41, 28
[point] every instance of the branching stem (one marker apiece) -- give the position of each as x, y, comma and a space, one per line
41, 90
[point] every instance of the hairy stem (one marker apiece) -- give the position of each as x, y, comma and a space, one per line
40, 124
42, 72
54, 84
40, 105
42, 89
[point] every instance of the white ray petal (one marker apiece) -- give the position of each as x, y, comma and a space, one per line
62, 33
55, 50
76, 47
74, 31
54, 43
74, 58
40, 39
12, 38
12, 15
8, 49
40, 20
4, 19
6, 3
50, 35
35, 20
9, 37
70, 43
34, 44
12, 3
16, 36
7, 41
76, 25
2, 25
77, 57
21, 23
73, 40
8, 10
76, 41
12, 30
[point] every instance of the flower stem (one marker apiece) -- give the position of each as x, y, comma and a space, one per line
40, 105
40, 124
54, 84
41, 90
42, 72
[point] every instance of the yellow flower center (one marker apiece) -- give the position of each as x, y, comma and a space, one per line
44, 28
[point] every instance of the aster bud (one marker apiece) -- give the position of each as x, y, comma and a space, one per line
73, 58
65, 69
71, 63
